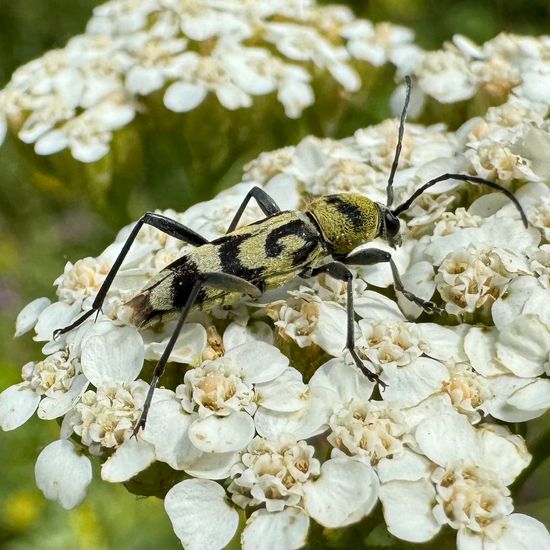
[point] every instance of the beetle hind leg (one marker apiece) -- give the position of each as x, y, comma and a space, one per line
217, 280
164, 224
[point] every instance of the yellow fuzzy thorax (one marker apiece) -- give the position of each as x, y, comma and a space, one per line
347, 220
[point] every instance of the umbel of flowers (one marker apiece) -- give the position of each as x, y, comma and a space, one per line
145, 75
271, 427
75, 97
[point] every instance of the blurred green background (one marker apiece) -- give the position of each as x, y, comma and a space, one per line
41, 230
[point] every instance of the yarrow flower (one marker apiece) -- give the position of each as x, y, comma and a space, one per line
267, 423
76, 97
504, 64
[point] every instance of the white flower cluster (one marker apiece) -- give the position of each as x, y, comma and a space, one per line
245, 416
77, 96
506, 63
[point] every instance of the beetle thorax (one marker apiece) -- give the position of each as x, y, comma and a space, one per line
346, 220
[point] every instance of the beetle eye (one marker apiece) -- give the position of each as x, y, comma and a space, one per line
391, 224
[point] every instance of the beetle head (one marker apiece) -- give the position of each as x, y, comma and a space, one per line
389, 228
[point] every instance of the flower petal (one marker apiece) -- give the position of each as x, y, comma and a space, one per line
167, 430
284, 393
3, 128
504, 388
28, 316
310, 420
345, 491
523, 346
17, 405
408, 509
63, 474
236, 335
259, 361
132, 457
286, 530
341, 382
448, 438
523, 533
200, 515
51, 407
115, 356
418, 279
406, 466
51, 142
232, 97
411, 384
443, 342
510, 304
56, 315
479, 344
212, 465
532, 397
181, 97
222, 434
503, 453
189, 346
373, 306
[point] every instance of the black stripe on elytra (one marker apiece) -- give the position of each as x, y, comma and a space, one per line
229, 255
352, 212
186, 273
273, 246
309, 237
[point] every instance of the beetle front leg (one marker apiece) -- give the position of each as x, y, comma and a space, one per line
372, 256
339, 271
164, 224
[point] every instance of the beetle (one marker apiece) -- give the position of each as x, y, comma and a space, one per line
270, 252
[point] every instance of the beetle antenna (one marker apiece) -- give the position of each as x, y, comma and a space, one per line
389, 188
462, 177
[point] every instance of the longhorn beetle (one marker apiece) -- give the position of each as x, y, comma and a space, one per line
270, 252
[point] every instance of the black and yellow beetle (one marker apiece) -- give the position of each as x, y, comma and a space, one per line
270, 252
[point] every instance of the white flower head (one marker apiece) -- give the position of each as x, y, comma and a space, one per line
378, 43
88, 135
469, 392
306, 44
224, 393
267, 165
307, 319
81, 281
446, 76
390, 343
272, 473
468, 487
370, 429
450, 221
106, 418
471, 278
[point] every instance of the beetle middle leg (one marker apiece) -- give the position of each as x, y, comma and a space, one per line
265, 202
164, 224
216, 280
372, 256
339, 271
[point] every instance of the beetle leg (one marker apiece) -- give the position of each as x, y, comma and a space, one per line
164, 224
217, 280
371, 256
339, 271
265, 202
